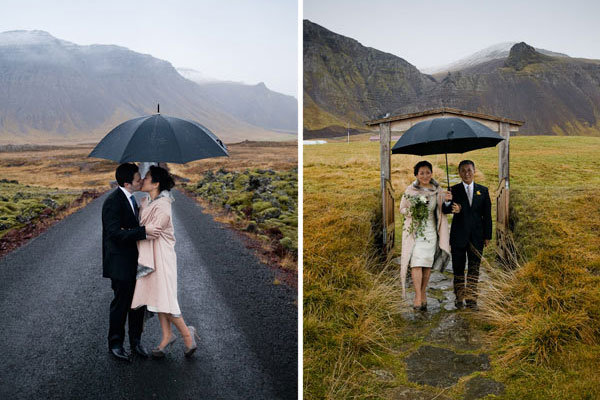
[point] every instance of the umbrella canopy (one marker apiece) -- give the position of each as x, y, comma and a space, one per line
446, 135
158, 138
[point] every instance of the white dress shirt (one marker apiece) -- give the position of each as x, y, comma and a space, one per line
128, 195
467, 188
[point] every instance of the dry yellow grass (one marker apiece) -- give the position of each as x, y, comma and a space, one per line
69, 167
545, 322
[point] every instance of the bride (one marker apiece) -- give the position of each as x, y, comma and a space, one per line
156, 286
425, 235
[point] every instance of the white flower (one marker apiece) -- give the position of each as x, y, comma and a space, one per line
423, 199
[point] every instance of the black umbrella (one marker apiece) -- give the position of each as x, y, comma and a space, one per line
158, 138
446, 135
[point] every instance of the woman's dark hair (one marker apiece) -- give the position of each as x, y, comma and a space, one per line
162, 177
422, 164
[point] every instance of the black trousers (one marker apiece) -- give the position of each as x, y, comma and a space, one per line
120, 308
466, 292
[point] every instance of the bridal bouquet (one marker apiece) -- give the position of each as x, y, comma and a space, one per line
419, 211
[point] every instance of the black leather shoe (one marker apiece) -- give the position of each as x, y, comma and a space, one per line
472, 305
120, 354
459, 304
140, 350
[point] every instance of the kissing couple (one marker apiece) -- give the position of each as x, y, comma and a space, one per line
138, 256
425, 240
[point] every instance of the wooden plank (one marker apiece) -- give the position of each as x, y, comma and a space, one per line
448, 110
385, 165
503, 155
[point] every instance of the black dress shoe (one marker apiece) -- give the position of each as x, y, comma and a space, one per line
459, 304
120, 353
472, 305
140, 350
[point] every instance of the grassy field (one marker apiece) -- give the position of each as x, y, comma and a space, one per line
542, 321
57, 171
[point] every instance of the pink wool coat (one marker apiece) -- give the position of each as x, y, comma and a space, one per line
442, 253
156, 285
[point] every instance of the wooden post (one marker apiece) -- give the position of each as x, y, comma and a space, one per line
385, 154
502, 199
503, 154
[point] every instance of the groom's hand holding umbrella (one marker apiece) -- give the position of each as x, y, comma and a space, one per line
448, 198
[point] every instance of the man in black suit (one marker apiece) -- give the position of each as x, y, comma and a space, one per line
471, 231
120, 231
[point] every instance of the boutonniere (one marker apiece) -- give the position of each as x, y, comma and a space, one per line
478, 193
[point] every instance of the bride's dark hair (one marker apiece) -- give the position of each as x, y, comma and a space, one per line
162, 176
422, 164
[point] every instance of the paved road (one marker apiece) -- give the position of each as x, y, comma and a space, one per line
54, 308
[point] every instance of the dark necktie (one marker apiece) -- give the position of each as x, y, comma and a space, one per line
135, 207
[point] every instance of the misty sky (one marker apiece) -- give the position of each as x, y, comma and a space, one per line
238, 40
433, 33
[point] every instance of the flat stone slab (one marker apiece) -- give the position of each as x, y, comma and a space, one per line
442, 368
408, 393
454, 330
480, 387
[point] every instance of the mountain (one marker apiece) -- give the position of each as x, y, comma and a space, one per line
54, 90
495, 52
255, 104
345, 81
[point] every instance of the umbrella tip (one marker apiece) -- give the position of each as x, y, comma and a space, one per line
158, 108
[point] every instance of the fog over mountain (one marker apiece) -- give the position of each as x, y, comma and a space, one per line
57, 90
255, 104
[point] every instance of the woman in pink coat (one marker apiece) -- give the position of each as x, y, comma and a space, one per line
425, 235
156, 286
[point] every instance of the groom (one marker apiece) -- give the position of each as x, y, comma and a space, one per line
471, 231
120, 231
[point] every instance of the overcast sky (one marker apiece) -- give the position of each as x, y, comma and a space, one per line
247, 41
430, 33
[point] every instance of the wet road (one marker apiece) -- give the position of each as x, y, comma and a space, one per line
55, 307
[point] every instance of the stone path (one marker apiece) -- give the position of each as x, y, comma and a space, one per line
450, 349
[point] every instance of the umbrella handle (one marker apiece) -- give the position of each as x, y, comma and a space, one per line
447, 176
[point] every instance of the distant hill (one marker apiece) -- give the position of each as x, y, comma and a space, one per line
255, 104
54, 90
347, 82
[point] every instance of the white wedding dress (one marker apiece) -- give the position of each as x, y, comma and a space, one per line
424, 248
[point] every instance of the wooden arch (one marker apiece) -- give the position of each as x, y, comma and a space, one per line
401, 123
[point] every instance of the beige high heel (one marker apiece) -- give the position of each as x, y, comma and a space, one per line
161, 353
189, 351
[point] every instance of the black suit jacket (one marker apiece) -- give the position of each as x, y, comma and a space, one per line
474, 222
120, 232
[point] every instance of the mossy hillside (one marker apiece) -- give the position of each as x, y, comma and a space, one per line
266, 200
22, 204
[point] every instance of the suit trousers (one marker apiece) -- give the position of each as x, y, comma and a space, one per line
120, 308
466, 292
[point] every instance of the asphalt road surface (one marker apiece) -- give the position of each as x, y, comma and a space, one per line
54, 308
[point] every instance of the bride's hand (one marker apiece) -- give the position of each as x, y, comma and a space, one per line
448, 195
455, 208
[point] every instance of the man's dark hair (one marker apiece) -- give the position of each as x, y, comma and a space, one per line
162, 176
125, 173
422, 164
466, 162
